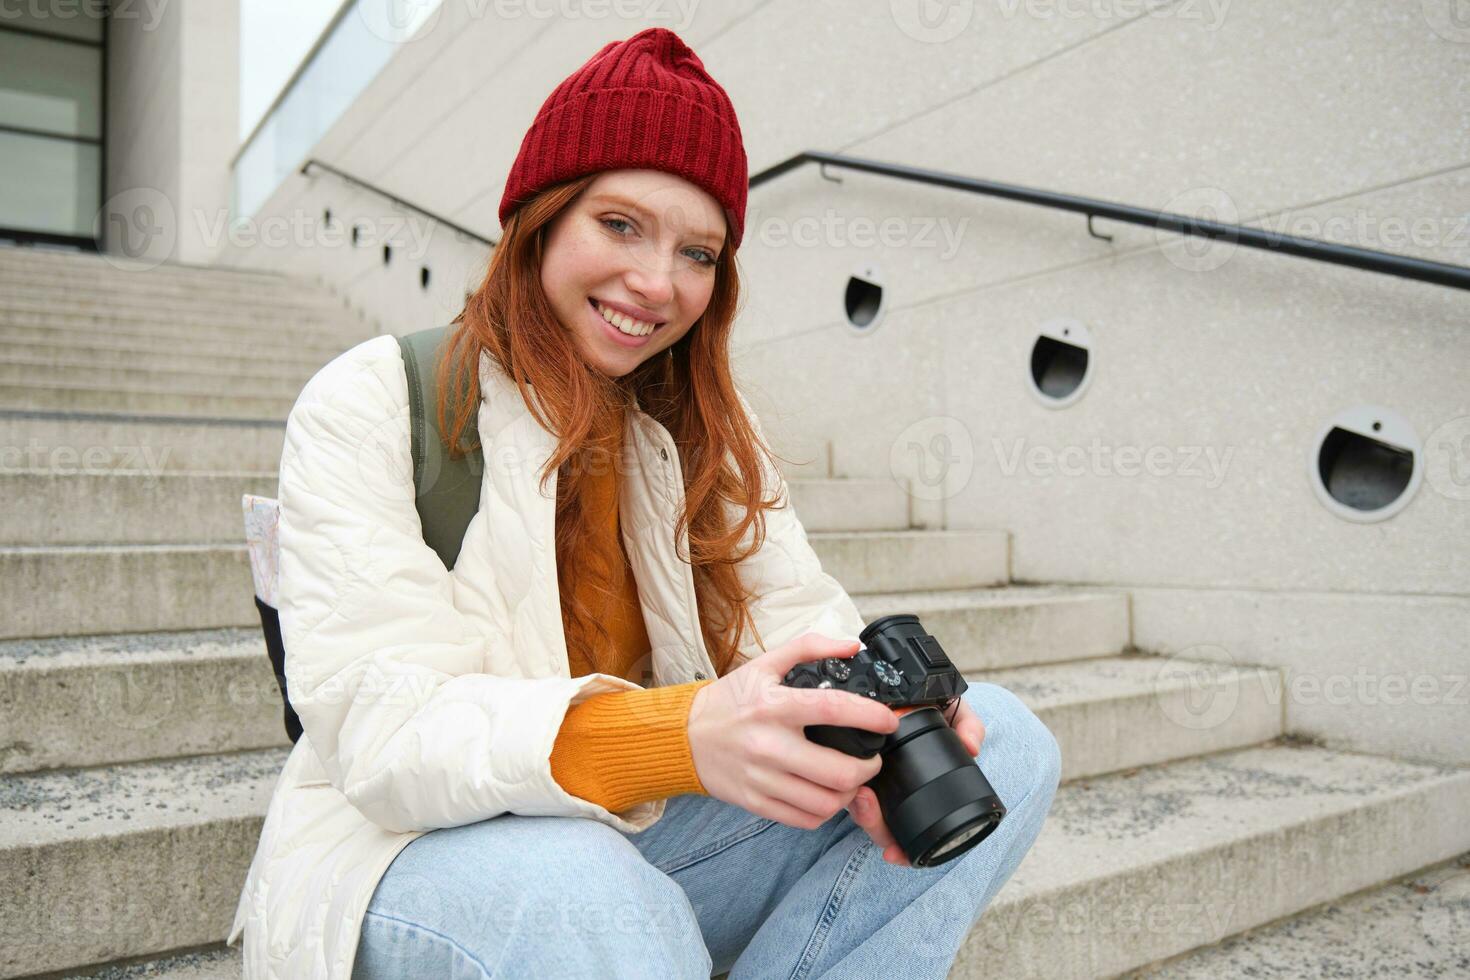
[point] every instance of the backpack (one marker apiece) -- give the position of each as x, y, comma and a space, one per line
446, 495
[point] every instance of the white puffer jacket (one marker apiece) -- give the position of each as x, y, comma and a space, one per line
431, 698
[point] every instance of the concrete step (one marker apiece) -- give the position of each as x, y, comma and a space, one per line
194, 300
1015, 626
129, 296
115, 271
72, 396
139, 505
90, 701
1115, 713
891, 561
69, 442
84, 590
165, 285
1139, 866
72, 441
88, 590
126, 507
213, 962
71, 702
850, 505
948, 560
98, 864
126, 352
1418, 926
242, 317
232, 343
93, 370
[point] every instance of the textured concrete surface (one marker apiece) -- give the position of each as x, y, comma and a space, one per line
71, 443
317, 321
1366, 673
1418, 927
1136, 867
1014, 626
47, 507
76, 396
1111, 713
879, 561
849, 505
116, 271
88, 590
217, 962
243, 378
97, 864
88, 701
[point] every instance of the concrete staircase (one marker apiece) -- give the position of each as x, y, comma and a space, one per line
140, 725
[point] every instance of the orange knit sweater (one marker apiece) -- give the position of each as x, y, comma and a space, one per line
623, 748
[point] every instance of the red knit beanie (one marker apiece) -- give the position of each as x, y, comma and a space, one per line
642, 103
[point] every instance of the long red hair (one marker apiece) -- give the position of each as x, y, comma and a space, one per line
687, 389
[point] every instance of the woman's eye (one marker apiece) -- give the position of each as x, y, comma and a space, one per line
703, 256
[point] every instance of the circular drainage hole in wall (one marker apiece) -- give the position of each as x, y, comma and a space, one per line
1061, 357
862, 301
1366, 463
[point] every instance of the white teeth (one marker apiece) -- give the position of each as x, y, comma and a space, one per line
626, 324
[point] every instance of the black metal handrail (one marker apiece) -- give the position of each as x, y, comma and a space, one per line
1406, 267
461, 229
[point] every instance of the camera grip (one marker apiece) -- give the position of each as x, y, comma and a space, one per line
857, 742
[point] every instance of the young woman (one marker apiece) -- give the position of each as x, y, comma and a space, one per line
571, 755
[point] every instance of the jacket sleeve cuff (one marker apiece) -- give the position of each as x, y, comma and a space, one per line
623, 748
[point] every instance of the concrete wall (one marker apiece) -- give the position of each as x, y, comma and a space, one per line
173, 77
1219, 366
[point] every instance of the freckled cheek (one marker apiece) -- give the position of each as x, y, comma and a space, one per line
694, 300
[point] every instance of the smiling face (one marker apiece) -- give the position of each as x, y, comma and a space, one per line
639, 246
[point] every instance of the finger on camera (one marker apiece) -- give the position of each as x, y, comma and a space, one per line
806, 648
832, 768
833, 706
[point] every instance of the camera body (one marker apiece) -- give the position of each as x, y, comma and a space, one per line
933, 796
900, 665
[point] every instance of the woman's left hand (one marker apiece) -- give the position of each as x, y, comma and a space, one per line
864, 806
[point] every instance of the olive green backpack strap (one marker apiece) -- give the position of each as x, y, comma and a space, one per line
446, 491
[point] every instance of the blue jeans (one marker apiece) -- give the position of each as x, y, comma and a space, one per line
708, 888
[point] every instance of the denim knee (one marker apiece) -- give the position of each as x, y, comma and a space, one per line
528, 889
596, 887
1017, 737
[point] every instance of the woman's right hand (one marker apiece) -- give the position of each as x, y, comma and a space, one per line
749, 749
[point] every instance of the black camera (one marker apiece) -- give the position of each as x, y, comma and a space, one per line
933, 796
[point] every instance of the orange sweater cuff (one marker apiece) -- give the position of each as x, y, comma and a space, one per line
623, 748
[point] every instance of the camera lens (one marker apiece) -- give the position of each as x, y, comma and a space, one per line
951, 847
936, 801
